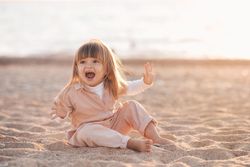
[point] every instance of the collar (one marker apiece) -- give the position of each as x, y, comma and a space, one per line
90, 88
96, 88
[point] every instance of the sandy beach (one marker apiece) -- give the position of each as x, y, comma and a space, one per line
204, 107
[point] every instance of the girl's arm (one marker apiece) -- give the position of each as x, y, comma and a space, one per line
61, 107
137, 86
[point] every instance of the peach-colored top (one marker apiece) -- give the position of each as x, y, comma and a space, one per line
83, 106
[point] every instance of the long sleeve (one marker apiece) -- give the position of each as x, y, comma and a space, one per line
137, 86
62, 106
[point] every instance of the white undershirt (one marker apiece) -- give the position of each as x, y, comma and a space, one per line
98, 89
134, 87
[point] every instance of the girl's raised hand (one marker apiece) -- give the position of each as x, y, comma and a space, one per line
148, 75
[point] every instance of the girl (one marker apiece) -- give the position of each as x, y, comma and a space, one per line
90, 101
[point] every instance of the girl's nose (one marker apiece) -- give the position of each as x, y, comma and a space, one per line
89, 65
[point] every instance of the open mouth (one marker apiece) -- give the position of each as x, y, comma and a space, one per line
89, 75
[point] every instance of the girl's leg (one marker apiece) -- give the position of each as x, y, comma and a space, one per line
152, 133
132, 115
93, 135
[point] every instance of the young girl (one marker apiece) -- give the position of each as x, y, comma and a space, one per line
90, 101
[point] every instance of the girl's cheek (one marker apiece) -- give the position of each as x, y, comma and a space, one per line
80, 69
99, 66
81, 66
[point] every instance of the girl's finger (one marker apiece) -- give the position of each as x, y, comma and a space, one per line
148, 67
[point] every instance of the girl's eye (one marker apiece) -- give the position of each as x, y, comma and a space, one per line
95, 61
82, 62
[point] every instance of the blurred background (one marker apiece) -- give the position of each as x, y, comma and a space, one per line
189, 29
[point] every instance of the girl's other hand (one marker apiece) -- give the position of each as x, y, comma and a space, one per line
148, 75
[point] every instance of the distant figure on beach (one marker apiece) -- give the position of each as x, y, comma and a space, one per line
90, 100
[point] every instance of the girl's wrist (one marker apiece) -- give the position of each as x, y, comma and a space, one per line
146, 82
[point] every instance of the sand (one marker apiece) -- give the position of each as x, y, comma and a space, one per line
202, 107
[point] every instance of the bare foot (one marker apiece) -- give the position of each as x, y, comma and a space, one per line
141, 145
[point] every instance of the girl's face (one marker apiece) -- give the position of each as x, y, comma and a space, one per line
91, 71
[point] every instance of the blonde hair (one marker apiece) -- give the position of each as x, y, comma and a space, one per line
114, 80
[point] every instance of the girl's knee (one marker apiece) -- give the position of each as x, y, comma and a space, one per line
132, 104
132, 107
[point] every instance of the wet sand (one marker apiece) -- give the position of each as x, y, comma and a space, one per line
203, 107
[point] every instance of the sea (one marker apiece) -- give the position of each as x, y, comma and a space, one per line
192, 29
